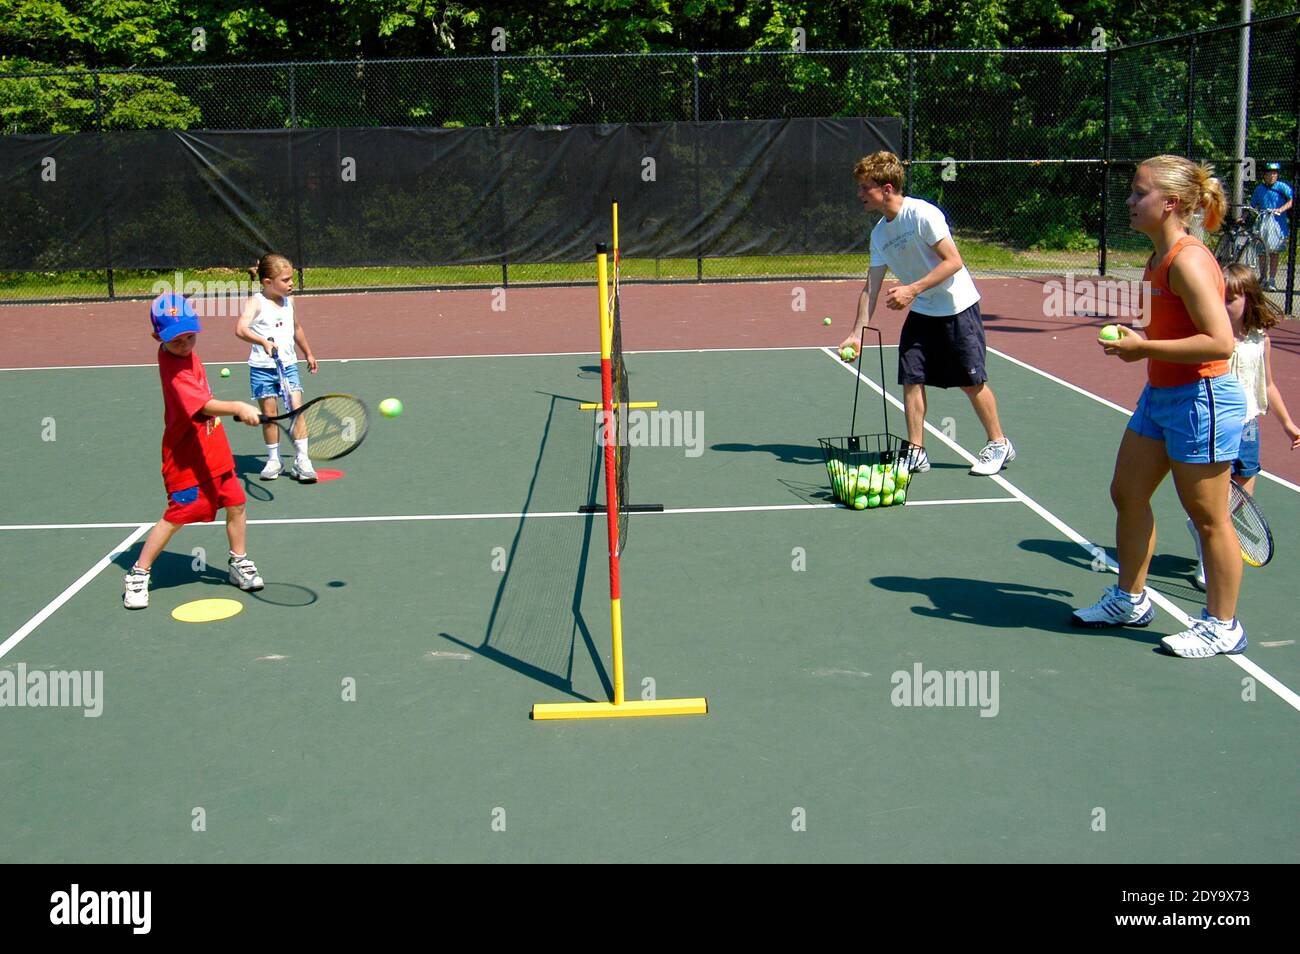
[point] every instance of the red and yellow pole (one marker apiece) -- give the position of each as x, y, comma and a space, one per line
611, 483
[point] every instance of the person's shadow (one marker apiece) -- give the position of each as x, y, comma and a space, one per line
179, 569
1168, 573
993, 604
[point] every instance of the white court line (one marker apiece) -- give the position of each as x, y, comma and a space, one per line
536, 514
1111, 404
25, 630
1283, 692
430, 357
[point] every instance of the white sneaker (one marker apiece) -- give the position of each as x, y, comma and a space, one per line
136, 589
993, 458
1206, 637
917, 460
243, 573
302, 471
272, 470
1115, 608
1199, 578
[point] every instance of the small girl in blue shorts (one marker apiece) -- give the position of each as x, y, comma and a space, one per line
268, 323
1252, 314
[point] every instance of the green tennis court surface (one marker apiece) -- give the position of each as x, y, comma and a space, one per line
447, 583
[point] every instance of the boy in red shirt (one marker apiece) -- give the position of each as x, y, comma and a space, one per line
197, 466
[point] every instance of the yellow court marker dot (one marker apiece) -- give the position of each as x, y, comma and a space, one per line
207, 611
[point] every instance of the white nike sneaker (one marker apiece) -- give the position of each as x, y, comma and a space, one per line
302, 471
272, 470
916, 460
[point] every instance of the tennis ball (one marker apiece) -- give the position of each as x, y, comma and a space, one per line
900, 496
887, 500
889, 486
390, 407
902, 479
873, 501
826, 321
847, 353
860, 502
225, 372
1109, 333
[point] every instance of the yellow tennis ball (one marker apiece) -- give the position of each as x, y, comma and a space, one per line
390, 407
860, 502
1109, 333
225, 372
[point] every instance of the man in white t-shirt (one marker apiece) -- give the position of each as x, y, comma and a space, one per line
942, 341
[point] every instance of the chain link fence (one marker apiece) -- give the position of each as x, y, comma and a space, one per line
1227, 96
1011, 143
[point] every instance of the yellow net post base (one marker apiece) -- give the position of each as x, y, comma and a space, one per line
609, 710
632, 405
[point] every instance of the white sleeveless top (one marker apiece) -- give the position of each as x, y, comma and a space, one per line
275, 322
1247, 363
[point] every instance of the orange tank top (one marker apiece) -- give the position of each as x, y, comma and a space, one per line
1170, 319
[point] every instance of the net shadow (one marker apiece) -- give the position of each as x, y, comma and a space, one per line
536, 625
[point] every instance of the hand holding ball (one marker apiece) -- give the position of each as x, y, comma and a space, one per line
847, 353
390, 407
1110, 333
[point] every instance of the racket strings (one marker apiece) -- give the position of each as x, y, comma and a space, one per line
335, 425
1253, 535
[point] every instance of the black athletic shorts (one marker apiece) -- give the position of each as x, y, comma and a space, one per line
942, 352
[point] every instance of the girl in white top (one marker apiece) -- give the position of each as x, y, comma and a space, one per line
1252, 314
268, 323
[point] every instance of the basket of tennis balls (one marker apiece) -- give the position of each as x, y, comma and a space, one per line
868, 471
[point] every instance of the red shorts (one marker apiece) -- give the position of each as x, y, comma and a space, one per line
200, 504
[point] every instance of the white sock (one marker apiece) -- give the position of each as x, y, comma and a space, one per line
272, 452
301, 447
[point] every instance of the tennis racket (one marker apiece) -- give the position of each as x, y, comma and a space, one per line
1253, 535
336, 424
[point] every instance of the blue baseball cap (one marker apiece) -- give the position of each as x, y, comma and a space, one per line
173, 315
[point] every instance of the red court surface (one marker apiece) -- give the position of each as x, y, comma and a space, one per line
655, 317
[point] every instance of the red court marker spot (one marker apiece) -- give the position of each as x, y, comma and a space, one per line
324, 475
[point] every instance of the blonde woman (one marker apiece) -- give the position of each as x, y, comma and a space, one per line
1190, 416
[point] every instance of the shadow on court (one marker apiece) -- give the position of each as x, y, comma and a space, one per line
536, 626
985, 602
1169, 573
177, 569
785, 453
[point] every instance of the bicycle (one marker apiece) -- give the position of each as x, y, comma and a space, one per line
1241, 240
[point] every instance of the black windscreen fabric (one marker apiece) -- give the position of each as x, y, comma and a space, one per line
404, 196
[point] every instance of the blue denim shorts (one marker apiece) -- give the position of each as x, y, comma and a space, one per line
1199, 423
1247, 462
266, 383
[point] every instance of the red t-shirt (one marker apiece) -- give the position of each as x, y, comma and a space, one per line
1170, 318
194, 446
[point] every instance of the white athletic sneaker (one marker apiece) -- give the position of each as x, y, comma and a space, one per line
1199, 578
993, 458
1206, 637
136, 589
272, 470
302, 471
243, 573
916, 460
1115, 608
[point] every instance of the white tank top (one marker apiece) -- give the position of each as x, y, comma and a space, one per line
1247, 363
275, 322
